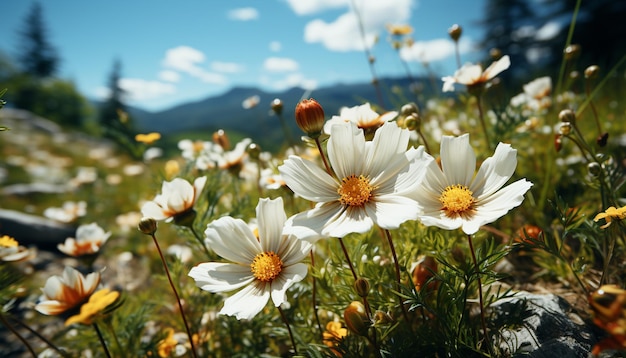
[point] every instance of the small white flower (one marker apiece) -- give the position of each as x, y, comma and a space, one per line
177, 197
471, 74
370, 184
363, 116
262, 267
89, 239
453, 197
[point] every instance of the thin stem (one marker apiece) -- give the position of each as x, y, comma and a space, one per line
421, 135
180, 305
47, 341
112, 330
345, 252
293, 341
480, 294
458, 54
398, 282
314, 299
593, 108
200, 240
570, 34
319, 148
19, 336
368, 55
286, 129
102, 342
482, 121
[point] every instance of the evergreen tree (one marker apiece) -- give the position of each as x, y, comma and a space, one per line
37, 56
114, 118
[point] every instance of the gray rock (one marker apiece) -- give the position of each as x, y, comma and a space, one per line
34, 230
540, 325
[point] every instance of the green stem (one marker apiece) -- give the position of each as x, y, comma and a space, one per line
293, 341
398, 281
319, 148
570, 34
19, 336
102, 342
483, 322
200, 240
314, 299
180, 305
482, 121
47, 341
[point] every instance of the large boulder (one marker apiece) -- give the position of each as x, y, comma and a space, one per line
34, 230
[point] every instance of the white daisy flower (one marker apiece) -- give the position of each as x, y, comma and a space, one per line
177, 197
473, 75
62, 293
370, 185
262, 267
453, 197
89, 239
364, 117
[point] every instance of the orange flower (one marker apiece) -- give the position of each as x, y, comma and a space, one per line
68, 291
96, 304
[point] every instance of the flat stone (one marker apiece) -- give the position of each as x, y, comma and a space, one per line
35, 230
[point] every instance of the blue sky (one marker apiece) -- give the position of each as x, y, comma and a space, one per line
173, 53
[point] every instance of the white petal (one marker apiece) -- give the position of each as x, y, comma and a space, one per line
496, 67
390, 211
457, 159
271, 218
246, 303
233, 240
448, 83
312, 222
404, 175
498, 204
346, 149
440, 220
308, 180
152, 210
495, 171
350, 220
221, 277
289, 276
293, 249
390, 142
468, 74
198, 185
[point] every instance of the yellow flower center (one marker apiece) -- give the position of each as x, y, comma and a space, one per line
355, 191
457, 200
7, 241
266, 266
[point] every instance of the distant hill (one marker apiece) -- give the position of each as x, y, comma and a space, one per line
225, 111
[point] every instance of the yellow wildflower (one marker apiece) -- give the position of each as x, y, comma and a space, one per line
148, 138
610, 214
96, 304
8, 241
167, 344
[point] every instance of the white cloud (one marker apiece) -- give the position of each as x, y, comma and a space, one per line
138, 90
226, 67
290, 81
186, 59
169, 76
280, 64
433, 50
308, 7
275, 46
243, 14
344, 34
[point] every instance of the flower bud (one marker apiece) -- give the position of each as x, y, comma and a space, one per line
455, 32
356, 318
424, 271
594, 169
565, 128
381, 317
310, 117
412, 122
558, 142
567, 115
591, 72
572, 52
220, 138
147, 225
362, 287
495, 54
602, 139
254, 151
277, 106
408, 109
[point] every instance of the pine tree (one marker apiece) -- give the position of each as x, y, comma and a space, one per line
37, 56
